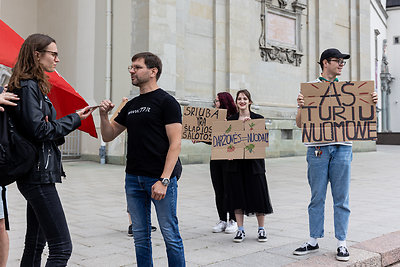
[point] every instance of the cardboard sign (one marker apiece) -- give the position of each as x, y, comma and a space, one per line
338, 111
124, 101
239, 140
197, 123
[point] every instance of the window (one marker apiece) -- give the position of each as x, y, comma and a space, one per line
396, 40
286, 134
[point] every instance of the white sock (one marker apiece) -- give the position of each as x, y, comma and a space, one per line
313, 241
341, 243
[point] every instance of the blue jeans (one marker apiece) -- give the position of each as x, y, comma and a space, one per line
333, 166
45, 223
138, 196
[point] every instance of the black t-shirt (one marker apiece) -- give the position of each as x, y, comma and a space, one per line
145, 118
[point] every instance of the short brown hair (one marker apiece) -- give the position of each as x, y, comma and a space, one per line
151, 61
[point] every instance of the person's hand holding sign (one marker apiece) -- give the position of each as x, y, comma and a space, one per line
300, 100
246, 119
374, 97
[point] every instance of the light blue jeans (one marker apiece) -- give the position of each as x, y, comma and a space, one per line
332, 165
138, 196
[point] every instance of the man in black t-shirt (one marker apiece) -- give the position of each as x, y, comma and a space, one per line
154, 124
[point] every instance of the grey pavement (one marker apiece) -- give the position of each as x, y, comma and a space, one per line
95, 206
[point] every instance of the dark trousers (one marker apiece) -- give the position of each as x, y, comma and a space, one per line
45, 223
221, 188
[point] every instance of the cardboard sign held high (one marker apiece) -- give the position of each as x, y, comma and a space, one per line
197, 122
239, 140
338, 111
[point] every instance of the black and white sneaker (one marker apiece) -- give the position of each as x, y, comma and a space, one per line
240, 235
262, 235
130, 230
342, 254
306, 249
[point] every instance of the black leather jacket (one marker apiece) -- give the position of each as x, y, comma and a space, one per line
29, 117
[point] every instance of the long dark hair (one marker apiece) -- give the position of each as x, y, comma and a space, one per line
246, 93
27, 66
226, 102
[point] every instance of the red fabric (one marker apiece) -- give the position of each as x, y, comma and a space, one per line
64, 98
10, 43
66, 101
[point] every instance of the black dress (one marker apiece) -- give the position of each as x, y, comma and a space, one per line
249, 189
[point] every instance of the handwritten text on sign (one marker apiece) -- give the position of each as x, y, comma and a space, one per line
197, 122
239, 140
338, 111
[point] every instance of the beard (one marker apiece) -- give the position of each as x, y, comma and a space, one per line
139, 81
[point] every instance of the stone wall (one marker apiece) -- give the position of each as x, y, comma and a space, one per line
211, 46
207, 46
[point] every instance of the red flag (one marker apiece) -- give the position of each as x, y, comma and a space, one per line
64, 98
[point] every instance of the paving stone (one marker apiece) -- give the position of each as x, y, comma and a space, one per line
95, 206
388, 246
358, 258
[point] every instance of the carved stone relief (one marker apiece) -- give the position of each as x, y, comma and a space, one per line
282, 3
280, 32
282, 55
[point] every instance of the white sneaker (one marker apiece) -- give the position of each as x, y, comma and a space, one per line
231, 227
219, 227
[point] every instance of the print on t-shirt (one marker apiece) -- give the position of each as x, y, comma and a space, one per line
139, 110
145, 118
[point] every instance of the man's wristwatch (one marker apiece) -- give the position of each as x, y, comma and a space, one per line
165, 181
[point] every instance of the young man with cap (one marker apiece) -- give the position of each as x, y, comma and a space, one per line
328, 162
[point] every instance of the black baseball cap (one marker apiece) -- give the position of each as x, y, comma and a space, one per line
333, 52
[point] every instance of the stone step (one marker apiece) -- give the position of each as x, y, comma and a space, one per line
380, 252
388, 246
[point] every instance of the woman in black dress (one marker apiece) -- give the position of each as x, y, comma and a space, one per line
249, 190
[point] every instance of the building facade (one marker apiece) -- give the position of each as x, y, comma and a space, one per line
378, 32
266, 46
393, 54
385, 49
